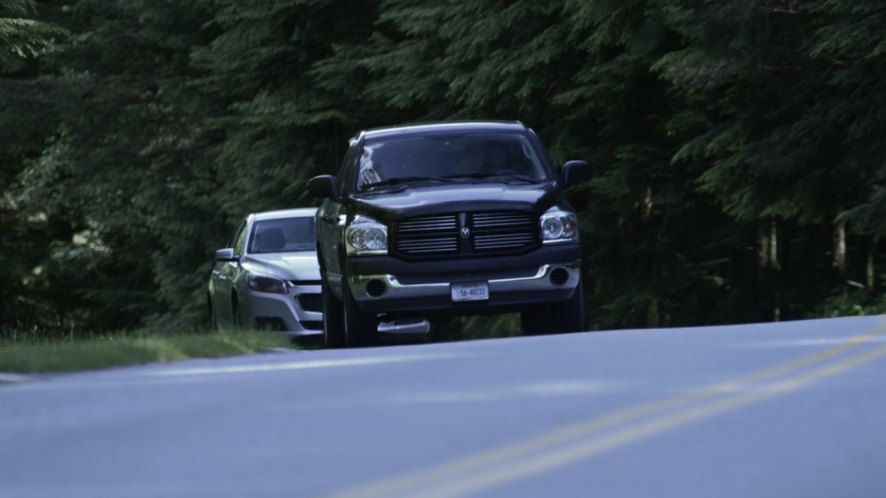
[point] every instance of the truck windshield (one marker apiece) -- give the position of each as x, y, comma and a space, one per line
448, 157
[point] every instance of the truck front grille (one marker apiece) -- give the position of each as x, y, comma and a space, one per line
448, 222
428, 235
429, 245
503, 231
466, 234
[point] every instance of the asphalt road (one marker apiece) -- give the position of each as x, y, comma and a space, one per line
777, 410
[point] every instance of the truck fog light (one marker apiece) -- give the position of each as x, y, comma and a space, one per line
375, 288
559, 276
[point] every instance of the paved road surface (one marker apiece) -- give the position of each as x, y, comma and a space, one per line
776, 410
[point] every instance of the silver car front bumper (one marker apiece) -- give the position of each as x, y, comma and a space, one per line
262, 307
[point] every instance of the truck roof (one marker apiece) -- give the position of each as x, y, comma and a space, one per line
410, 129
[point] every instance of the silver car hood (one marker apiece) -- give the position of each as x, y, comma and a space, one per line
285, 265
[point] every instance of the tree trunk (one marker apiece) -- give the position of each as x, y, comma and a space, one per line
767, 255
653, 316
767, 243
773, 245
840, 249
647, 203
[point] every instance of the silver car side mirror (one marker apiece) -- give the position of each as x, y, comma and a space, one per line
226, 254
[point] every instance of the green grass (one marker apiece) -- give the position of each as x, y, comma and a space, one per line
68, 355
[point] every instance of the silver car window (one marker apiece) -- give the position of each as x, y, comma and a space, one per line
283, 235
239, 239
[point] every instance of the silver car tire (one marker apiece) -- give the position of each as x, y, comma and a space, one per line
235, 313
213, 319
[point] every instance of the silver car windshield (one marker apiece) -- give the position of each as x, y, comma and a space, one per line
283, 235
449, 157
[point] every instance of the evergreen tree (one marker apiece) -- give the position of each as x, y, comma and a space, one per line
29, 106
739, 172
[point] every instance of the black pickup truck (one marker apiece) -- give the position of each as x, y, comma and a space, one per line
446, 219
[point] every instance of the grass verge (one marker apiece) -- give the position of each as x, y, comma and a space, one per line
70, 355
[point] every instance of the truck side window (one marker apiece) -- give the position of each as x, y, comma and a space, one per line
346, 176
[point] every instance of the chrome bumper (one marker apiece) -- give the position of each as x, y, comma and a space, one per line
440, 289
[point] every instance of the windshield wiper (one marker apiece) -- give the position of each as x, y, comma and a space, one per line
509, 176
405, 179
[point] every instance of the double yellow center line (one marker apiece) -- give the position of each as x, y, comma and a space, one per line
585, 439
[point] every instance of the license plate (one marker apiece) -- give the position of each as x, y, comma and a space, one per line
475, 291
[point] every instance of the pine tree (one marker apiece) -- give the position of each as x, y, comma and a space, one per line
29, 105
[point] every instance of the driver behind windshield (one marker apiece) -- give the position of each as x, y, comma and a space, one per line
497, 158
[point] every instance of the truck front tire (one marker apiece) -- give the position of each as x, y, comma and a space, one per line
361, 328
554, 318
333, 318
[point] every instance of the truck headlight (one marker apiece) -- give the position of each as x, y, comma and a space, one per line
558, 226
366, 236
268, 284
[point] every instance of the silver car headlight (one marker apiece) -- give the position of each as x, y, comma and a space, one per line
558, 226
366, 236
268, 284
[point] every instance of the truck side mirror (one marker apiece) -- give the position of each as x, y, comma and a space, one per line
574, 172
323, 187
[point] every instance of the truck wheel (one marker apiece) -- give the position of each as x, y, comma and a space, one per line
361, 329
569, 315
333, 315
533, 319
553, 318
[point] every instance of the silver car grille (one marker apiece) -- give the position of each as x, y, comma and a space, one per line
310, 302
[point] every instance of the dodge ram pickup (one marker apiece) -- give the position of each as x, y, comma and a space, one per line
448, 219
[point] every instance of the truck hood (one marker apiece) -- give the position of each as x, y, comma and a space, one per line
284, 265
422, 200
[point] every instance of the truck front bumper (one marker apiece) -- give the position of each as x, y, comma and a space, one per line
385, 285
437, 295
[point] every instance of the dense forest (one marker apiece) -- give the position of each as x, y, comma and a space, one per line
737, 145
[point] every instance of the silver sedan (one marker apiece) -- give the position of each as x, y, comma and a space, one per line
268, 276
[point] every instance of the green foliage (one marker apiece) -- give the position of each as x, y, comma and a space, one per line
134, 144
22, 38
130, 349
855, 303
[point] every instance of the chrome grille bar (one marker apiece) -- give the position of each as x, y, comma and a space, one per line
429, 223
486, 232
